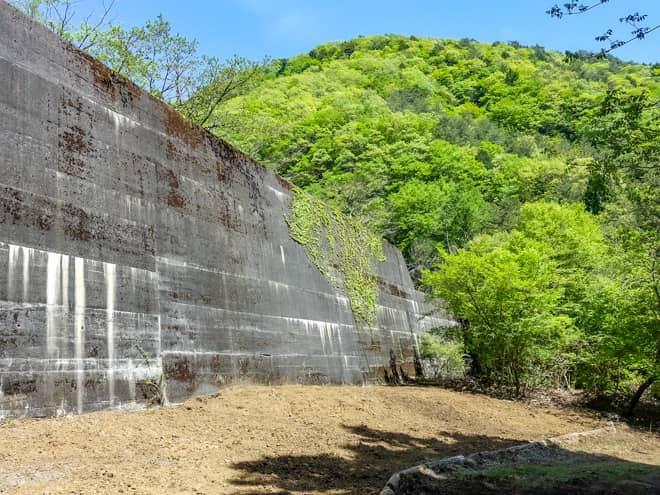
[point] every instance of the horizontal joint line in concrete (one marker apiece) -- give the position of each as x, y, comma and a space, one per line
262, 315
183, 264
255, 354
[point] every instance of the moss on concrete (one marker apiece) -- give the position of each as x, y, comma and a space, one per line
343, 250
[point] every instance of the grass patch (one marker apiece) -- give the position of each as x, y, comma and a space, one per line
532, 476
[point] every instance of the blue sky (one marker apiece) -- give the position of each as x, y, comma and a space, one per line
282, 28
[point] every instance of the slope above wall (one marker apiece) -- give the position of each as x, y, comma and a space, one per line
134, 243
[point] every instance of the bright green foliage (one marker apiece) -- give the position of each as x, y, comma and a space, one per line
169, 67
435, 213
572, 239
520, 292
152, 56
342, 249
619, 345
626, 127
356, 122
621, 315
214, 83
516, 324
448, 354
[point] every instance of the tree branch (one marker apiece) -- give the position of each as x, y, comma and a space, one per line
572, 8
639, 34
82, 44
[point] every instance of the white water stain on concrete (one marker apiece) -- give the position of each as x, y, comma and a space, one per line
53, 299
130, 375
326, 331
119, 121
110, 273
280, 195
11, 268
28, 254
79, 308
282, 255
133, 281
65, 282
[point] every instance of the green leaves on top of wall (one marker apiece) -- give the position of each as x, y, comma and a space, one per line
343, 250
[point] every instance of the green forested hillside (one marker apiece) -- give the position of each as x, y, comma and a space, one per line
521, 187
433, 141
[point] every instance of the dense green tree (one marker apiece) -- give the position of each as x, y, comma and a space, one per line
518, 294
625, 129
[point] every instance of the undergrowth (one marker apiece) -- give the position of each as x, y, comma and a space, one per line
158, 388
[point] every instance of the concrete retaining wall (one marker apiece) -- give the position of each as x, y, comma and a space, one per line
125, 231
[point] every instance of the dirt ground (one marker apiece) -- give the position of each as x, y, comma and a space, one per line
289, 439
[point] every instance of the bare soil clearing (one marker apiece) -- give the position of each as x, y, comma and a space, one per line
289, 439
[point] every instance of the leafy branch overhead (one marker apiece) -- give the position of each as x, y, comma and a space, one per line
573, 8
163, 62
634, 20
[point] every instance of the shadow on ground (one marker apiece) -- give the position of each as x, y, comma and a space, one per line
375, 455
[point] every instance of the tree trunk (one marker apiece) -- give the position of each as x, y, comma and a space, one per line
638, 395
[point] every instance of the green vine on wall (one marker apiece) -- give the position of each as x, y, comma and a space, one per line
343, 250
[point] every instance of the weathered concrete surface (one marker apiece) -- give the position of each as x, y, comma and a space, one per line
125, 232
